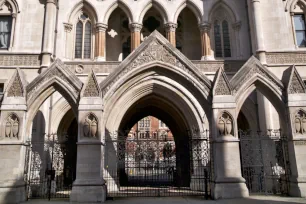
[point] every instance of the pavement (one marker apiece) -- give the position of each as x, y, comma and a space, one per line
189, 200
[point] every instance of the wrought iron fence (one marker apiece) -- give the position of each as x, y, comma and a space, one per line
154, 163
264, 161
50, 167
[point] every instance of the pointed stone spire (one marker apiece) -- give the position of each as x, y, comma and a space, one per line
16, 85
92, 88
221, 85
295, 83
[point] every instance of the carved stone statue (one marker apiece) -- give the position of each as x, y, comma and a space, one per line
12, 127
90, 127
225, 125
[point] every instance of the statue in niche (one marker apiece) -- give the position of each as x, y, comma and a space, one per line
12, 127
300, 122
90, 127
225, 125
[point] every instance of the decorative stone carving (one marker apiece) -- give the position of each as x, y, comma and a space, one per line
16, 87
12, 127
225, 125
90, 128
286, 58
92, 87
295, 84
251, 68
155, 51
300, 123
68, 27
170, 27
20, 60
222, 85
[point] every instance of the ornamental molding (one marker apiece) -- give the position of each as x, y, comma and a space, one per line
222, 85
253, 68
16, 86
286, 58
155, 48
12, 126
22, 60
92, 88
57, 72
293, 81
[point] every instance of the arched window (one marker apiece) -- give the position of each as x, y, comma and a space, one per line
222, 39
83, 38
299, 21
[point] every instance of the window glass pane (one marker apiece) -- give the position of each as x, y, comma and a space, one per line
300, 38
79, 40
1, 88
226, 39
218, 45
5, 31
87, 43
299, 22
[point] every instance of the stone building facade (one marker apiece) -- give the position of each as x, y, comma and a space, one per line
224, 74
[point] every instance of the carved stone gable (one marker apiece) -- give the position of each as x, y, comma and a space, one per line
222, 86
296, 84
16, 87
250, 69
92, 88
155, 49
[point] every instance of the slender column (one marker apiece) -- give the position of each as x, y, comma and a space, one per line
135, 29
100, 41
49, 32
260, 49
170, 32
205, 41
236, 28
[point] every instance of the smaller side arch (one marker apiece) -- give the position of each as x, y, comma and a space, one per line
158, 7
194, 8
13, 4
118, 4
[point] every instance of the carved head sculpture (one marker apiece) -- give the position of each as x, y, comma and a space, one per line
12, 127
90, 127
225, 124
300, 122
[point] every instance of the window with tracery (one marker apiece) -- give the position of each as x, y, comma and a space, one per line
83, 37
222, 39
299, 23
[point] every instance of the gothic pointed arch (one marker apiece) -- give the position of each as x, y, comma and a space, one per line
122, 5
83, 6
291, 5
156, 51
232, 14
253, 75
158, 6
56, 78
193, 7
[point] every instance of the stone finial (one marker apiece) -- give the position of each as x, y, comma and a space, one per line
16, 87
222, 85
92, 88
295, 83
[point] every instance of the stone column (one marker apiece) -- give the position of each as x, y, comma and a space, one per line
205, 41
236, 27
135, 29
12, 141
100, 41
170, 32
227, 178
89, 186
260, 49
49, 33
297, 144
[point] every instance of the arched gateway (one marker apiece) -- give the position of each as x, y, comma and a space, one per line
206, 154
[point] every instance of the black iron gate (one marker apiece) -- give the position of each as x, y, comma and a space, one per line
264, 161
51, 167
155, 164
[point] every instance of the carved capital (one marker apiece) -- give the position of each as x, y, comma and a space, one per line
68, 27
205, 27
170, 27
135, 27
101, 27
